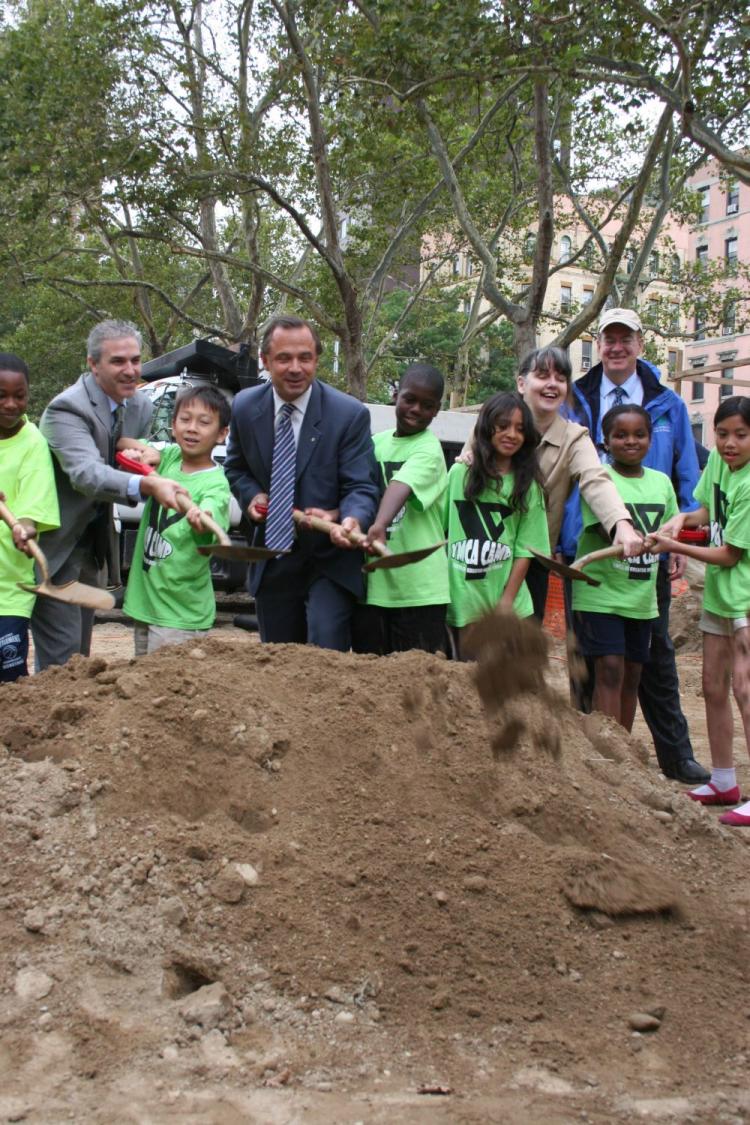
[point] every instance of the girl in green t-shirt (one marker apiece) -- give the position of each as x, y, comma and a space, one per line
494, 512
724, 495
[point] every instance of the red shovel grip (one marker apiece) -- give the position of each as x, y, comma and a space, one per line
697, 535
132, 465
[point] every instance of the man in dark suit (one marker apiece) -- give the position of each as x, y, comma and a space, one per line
82, 426
308, 595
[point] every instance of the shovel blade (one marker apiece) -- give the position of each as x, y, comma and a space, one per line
563, 569
74, 593
404, 558
238, 553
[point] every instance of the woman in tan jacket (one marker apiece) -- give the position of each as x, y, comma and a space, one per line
567, 456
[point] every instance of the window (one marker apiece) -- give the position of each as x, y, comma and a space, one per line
528, 247
701, 256
588, 296
700, 324
566, 298
730, 317
585, 354
469, 266
704, 195
698, 388
730, 254
456, 265
733, 198
652, 310
653, 263
672, 357
697, 428
629, 259
589, 257
727, 389
674, 315
675, 268
467, 307
565, 248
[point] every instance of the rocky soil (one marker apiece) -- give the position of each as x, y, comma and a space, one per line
281, 885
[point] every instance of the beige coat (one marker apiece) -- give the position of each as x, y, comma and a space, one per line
568, 455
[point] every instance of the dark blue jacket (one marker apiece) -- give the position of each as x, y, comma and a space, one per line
335, 470
672, 449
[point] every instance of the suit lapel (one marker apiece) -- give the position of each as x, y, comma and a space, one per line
309, 434
261, 423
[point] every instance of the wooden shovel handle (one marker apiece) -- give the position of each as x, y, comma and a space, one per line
10, 519
185, 503
327, 526
605, 553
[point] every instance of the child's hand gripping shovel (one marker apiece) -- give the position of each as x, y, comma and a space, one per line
225, 548
576, 570
387, 561
74, 593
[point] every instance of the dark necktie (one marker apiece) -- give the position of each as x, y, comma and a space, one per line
116, 431
619, 395
279, 520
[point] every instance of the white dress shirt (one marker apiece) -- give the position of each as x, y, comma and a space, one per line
298, 414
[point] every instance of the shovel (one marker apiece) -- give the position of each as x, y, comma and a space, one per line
576, 570
74, 593
387, 561
225, 548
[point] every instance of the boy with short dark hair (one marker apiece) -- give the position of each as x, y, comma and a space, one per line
170, 596
27, 480
404, 608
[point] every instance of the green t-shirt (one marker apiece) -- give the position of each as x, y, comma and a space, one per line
485, 536
28, 480
628, 586
726, 495
416, 460
169, 582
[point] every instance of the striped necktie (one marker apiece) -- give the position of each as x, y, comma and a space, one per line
279, 520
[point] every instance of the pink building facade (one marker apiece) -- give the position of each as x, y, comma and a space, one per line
722, 237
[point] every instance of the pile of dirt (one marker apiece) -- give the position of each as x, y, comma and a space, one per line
684, 615
287, 866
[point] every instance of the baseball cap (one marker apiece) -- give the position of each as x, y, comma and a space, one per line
621, 316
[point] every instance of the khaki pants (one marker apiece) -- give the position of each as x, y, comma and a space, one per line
149, 638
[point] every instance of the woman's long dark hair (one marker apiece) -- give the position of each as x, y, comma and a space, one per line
483, 469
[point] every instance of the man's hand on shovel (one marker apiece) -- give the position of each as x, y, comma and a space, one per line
163, 490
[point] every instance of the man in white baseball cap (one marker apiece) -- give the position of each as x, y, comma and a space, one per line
622, 377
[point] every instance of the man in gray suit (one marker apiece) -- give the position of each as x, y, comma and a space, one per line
82, 426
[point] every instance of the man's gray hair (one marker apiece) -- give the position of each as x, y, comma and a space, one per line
110, 330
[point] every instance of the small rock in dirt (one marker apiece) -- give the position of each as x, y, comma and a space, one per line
197, 653
344, 1017
33, 984
216, 1052
475, 883
336, 995
247, 873
172, 911
34, 920
441, 898
642, 1021
228, 886
207, 1006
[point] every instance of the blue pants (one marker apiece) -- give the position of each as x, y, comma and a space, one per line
14, 648
304, 608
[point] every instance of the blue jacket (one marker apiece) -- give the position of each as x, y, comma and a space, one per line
672, 449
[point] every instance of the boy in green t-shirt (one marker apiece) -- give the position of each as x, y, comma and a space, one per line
170, 596
27, 480
404, 608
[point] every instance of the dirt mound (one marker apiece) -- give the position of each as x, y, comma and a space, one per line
289, 864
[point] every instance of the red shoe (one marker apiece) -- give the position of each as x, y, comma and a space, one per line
728, 797
737, 819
